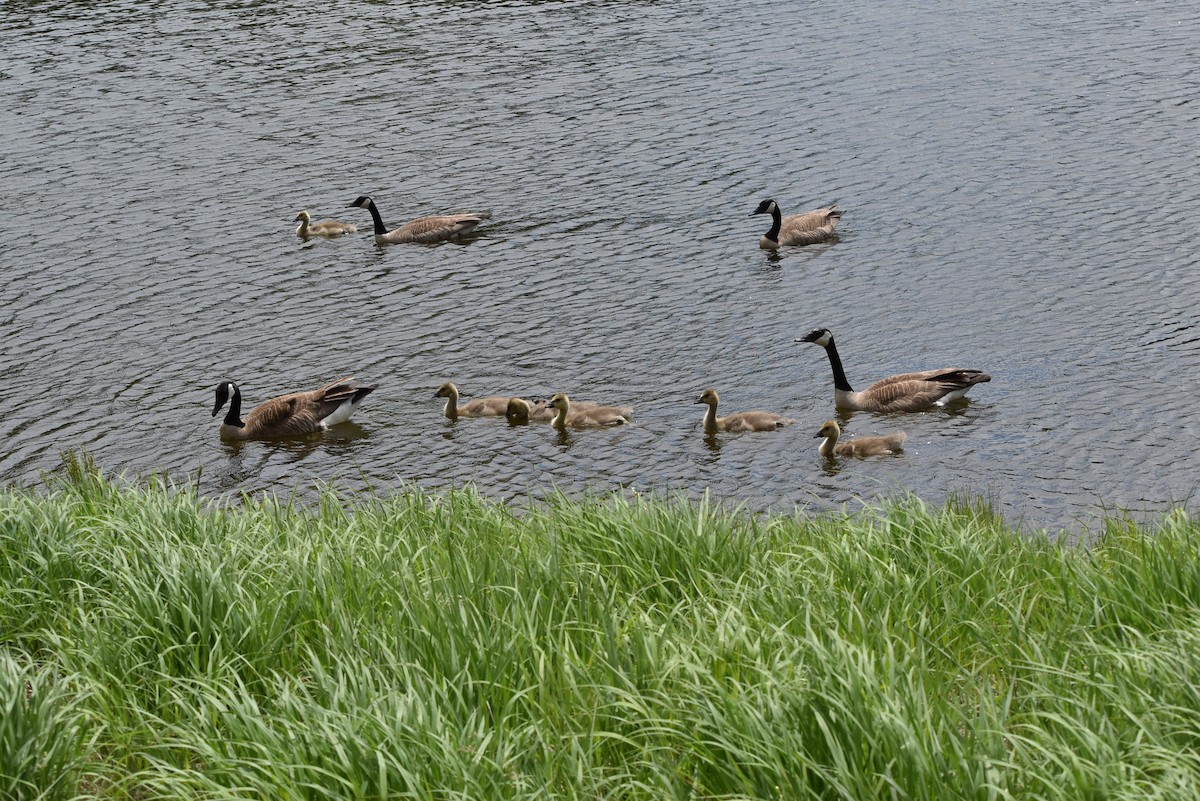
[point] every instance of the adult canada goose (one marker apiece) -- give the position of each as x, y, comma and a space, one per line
289, 415
325, 228
426, 230
860, 446
808, 228
907, 392
478, 407
741, 421
592, 417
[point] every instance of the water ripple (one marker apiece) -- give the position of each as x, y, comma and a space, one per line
1020, 188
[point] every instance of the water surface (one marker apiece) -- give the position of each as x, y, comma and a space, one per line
1020, 182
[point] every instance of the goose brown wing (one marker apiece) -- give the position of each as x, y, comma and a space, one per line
302, 412
956, 378
912, 392
284, 416
437, 228
908, 395
328, 398
810, 227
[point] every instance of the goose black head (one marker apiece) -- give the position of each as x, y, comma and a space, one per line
820, 336
363, 201
766, 207
224, 390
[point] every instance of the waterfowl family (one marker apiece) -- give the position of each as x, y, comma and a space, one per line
477, 407
325, 228
907, 392
289, 415
808, 228
592, 416
426, 230
740, 421
860, 446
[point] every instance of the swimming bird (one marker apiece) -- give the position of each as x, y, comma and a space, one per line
860, 446
477, 407
522, 411
289, 415
426, 230
325, 228
741, 421
808, 228
907, 392
593, 417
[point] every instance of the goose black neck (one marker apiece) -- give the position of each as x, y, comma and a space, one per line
835, 361
380, 228
234, 416
776, 223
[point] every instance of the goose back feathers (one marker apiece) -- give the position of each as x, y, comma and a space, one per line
289, 415
906, 392
425, 230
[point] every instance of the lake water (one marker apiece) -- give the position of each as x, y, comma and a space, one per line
1021, 185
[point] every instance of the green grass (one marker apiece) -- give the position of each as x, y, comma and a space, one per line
157, 645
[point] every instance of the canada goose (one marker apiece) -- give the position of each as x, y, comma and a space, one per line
741, 421
593, 417
479, 407
907, 392
325, 228
289, 415
797, 229
426, 230
860, 446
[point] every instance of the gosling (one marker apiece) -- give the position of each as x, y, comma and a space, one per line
860, 446
741, 421
477, 407
593, 417
521, 412
324, 228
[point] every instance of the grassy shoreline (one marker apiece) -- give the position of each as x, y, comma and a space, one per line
157, 645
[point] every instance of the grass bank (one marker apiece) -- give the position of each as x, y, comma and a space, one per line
155, 645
